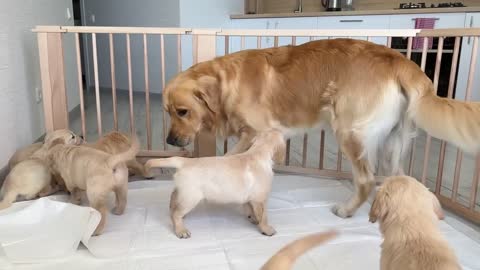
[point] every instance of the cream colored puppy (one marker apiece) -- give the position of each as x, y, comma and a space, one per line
408, 215
95, 172
286, 257
32, 177
23, 154
116, 142
244, 178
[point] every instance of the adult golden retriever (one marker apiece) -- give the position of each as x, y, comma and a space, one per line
370, 95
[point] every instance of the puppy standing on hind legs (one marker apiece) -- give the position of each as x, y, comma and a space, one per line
244, 178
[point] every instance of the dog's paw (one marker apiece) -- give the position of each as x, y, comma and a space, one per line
183, 233
342, 211
268, 231
252, 219
118, 211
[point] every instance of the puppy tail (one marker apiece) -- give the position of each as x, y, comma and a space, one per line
457, 122
130, 154
286, 257
172, 162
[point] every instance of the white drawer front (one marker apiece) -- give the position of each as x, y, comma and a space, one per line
354, 22
452, 20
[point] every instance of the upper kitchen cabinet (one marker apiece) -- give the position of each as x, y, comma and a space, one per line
472, 20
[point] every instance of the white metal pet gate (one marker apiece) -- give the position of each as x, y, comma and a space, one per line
452, 175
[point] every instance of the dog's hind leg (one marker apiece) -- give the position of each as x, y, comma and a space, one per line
98, 201
181, 203
8, 198
363, 178
120, 199
395, 148
260, 213
248, 208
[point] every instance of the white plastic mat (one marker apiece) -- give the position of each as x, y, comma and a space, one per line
222, 238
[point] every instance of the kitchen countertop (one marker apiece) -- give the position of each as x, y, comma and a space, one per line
357, 12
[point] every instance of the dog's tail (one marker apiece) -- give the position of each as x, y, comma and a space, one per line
457, 122
286, 257
130, 154
172, 162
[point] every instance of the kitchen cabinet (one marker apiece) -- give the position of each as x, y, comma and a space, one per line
446, 20
471, 20
357, 22
273, 23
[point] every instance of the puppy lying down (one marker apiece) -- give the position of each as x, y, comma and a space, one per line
408, 215
95, 172
30, 175
244, 178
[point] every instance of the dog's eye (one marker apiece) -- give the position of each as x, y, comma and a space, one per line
73, 136
182, 112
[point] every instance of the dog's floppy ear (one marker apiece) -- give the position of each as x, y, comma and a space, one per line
56, 142
379, 209
437, 207
207, 92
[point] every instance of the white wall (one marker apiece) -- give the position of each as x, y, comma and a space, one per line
21, 116
206, 14
143, 13
155, 13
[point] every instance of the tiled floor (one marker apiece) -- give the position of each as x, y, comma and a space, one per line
313, 146
222, 238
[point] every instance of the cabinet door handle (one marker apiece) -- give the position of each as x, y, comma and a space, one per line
471, 25
351, 21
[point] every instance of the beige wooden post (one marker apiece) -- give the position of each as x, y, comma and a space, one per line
50, 48
204, 50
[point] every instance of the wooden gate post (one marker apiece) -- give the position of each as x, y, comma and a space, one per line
205, 49
52, 71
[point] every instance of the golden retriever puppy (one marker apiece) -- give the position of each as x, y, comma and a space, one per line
244, 179
95, 172
23, 154
408, 215
32, 177
296, 87
286, 257
116, 142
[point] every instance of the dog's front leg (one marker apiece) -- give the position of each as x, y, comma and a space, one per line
243, 143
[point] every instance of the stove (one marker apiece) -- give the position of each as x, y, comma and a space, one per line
411, 5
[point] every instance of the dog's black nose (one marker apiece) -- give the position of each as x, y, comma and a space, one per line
81, 137
172, 140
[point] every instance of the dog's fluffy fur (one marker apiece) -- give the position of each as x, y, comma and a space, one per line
371, 96
286, 257
30, 175
95, 172
23, 154
408, 215
116, 142
243, 179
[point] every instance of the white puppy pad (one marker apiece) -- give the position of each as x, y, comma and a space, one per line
223, 239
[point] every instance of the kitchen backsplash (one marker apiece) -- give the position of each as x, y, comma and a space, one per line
281, 6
